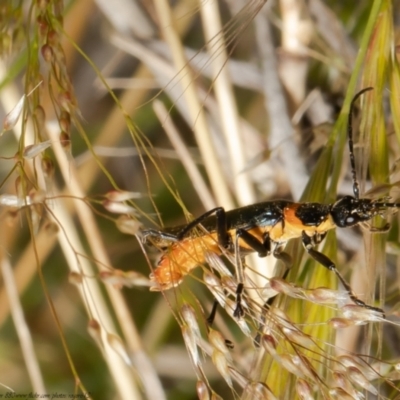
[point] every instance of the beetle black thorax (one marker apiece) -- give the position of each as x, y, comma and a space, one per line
312, 214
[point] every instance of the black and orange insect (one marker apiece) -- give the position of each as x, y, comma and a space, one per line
264, 228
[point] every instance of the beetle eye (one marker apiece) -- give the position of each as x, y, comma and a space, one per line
350, 220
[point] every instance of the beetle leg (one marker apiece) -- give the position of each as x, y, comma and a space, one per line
382, 229
223, 240
221, 228
213, 312
321, 258
283, 256
318, 238
375, 229
262, 248
148, 233
268, 303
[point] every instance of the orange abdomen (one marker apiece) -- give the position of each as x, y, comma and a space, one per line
180, 259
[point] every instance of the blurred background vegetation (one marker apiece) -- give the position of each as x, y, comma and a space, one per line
125, 114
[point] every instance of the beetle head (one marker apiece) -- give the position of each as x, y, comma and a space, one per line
349, 211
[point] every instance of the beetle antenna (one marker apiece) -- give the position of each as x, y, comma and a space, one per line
356, 186
386, 205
